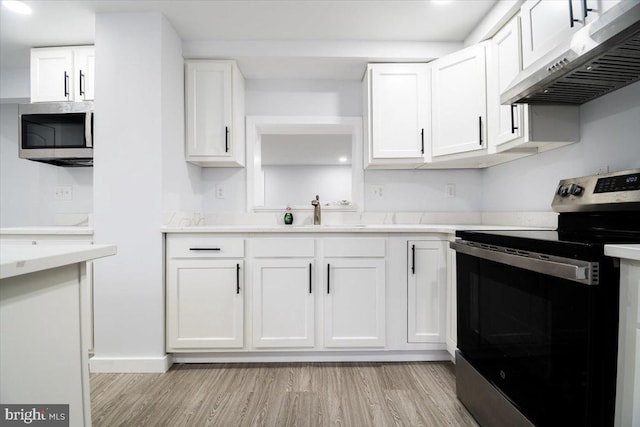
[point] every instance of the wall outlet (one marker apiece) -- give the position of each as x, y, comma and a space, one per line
219, 191
450, 191
602, 170
63, 192
377, 191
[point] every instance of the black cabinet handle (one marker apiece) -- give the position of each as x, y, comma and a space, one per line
226, 139
514, 128
571, 20
81, 79
309, 277
237, 278
66, 85
480, 128
422, 138
328, 278
585, 8
413, 259
204, 249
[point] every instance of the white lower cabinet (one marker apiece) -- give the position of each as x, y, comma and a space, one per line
354, 309
205, 304
426, 291
308, 296
283, 303
354, 304
204, 293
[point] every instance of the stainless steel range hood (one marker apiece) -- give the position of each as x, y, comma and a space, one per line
599, 58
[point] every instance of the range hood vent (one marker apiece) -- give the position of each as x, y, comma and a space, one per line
600, 58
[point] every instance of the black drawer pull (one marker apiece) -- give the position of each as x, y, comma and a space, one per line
328, 278
310, 278
204, 249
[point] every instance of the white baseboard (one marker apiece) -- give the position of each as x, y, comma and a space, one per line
130, 364
291, 357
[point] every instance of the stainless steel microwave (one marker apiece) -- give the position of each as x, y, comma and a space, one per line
59, 133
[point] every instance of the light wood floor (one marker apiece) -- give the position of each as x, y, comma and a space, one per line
302, 394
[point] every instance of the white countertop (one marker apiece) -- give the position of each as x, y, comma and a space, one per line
49, 230
631, 252
339, 228
16, 260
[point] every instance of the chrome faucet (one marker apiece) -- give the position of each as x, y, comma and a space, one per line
316, 210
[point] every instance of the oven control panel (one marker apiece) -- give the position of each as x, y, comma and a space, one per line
612, 191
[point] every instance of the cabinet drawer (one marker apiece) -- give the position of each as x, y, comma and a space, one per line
354, 247
286, 247
204, 247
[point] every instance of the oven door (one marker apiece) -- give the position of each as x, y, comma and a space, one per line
546, 341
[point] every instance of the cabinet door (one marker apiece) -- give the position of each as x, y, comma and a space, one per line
545, 23
399, 110
205, 301
505, 64
208, 109
283, 303
426, 293
84, 59
354, 307
51, 74
459, 102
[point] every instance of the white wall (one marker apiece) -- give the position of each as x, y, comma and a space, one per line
298, 185
422, 190
610, 137
137, 58
14, 84
27, 188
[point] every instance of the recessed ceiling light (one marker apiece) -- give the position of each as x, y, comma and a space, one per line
342, 159
17, 7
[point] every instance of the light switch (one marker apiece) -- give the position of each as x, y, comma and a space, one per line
450, 191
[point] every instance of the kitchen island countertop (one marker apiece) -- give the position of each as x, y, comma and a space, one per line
16, 260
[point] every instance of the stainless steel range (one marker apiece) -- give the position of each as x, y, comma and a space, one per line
538, 310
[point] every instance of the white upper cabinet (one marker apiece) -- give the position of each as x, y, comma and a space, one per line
62, 73
459, 102
84, 59
545, 23
504, 65
214, 113
520, 125
397, 101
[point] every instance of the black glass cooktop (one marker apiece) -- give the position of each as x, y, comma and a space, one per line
579, 235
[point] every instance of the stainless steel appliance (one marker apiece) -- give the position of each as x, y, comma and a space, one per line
538, 310
599, 58
59, 133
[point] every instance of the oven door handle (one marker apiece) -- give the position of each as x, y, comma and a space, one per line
584, 272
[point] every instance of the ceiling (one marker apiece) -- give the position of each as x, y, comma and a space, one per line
64, 22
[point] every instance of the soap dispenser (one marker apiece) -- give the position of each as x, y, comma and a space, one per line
288, 216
